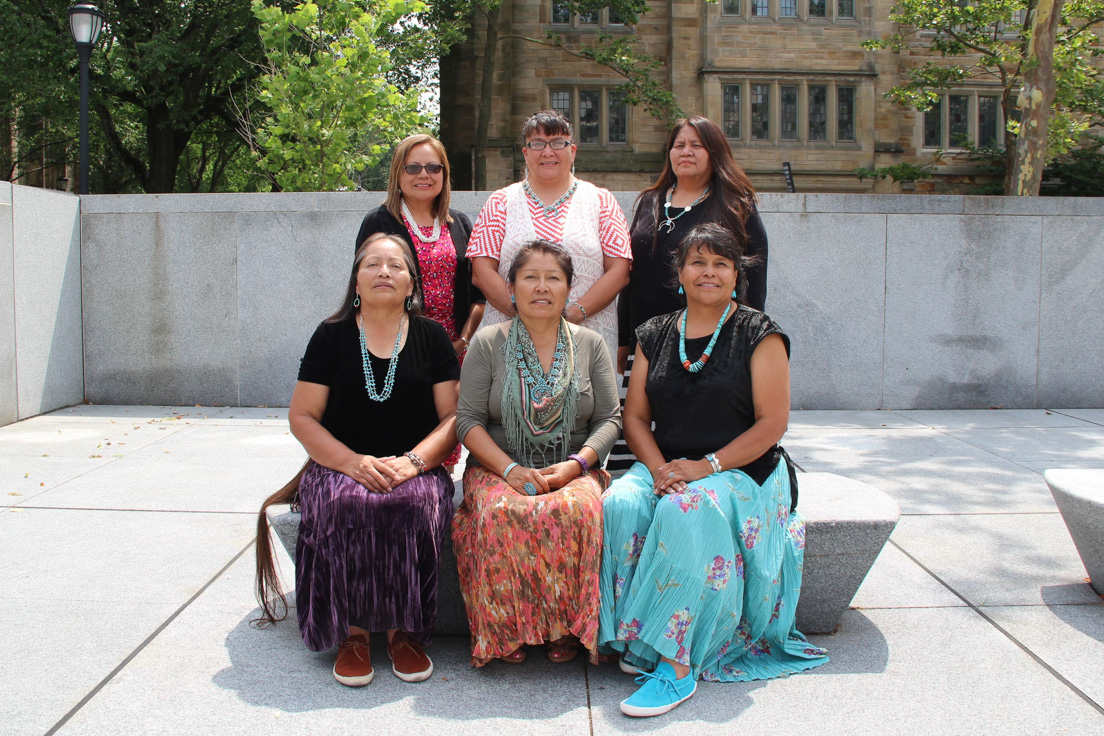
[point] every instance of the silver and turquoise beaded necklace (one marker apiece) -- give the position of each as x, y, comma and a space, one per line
669, 222
541, 387
548, 209
366, 363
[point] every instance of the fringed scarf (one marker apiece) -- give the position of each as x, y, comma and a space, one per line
539, 418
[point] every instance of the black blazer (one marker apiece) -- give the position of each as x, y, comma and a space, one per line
382, 221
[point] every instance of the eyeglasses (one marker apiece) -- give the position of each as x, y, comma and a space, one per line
558, 145
415, 169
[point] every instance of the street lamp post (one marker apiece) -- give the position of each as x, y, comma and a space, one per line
85, 22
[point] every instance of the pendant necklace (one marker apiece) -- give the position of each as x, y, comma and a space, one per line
697, 365
417, 228
669, 222
541, 387
366, 364
549, 210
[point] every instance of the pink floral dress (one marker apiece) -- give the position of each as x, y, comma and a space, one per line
438, 263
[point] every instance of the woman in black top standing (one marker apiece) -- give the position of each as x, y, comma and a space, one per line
375, 408
700, 183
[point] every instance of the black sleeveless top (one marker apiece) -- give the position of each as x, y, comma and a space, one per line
699, 413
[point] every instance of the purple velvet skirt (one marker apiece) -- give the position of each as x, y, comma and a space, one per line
369, 559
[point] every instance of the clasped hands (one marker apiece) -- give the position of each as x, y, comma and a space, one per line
672, 477
545, 480
379, 474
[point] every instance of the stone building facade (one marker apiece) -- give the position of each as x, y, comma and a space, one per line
788, 80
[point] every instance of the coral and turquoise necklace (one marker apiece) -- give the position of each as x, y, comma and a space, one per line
366, 363
697, 365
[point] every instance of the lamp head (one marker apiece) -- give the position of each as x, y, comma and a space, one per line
85, 23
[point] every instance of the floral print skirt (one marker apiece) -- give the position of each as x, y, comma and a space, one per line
708, 577
528, 564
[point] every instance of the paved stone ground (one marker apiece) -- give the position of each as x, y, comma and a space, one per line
126, 593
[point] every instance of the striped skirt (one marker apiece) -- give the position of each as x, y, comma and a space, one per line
369, 559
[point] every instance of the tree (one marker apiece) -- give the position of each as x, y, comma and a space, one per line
1007, 41
328, 109
618, 54
163, 70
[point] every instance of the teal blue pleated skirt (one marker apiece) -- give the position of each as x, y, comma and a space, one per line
708, 577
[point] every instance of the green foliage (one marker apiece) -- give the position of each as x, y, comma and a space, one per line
898, 172
1079, 173
329, 109
640, 88
987, 41
162, 70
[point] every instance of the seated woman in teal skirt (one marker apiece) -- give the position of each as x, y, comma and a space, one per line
701, 559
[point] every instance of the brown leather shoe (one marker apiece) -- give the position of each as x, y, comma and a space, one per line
354, 662
408, 660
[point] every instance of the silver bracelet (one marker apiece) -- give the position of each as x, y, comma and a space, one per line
580, 306
714, 462
416, 461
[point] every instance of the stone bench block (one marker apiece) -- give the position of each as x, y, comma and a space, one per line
1079, 495
847, 524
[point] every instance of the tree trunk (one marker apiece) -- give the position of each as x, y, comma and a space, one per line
7, 150
1035, 100
486, 90
161, 146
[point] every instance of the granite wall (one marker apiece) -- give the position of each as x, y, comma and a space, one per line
9, 394
892, 301
41, 351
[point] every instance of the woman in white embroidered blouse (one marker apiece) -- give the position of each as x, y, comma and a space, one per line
551, 204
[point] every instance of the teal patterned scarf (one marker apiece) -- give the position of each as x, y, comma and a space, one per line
538, 409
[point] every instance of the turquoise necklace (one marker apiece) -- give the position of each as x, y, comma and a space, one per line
697, 365
668, 221
541, 387
366, 363
549, 210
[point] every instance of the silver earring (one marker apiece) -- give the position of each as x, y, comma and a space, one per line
409, 303
573, 168
356, 302
513, 300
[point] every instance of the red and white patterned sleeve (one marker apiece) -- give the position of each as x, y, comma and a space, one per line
613, 231
490, 228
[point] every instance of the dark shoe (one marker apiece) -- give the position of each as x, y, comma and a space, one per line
354, 662
408, 660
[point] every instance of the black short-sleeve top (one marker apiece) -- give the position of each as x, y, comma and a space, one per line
699, 413
379, 428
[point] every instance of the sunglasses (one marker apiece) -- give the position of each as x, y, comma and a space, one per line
415, 169
554, 145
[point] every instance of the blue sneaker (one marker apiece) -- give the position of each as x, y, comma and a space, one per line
659, 692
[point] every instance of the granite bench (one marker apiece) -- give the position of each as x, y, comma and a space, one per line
1079, 495
847, 524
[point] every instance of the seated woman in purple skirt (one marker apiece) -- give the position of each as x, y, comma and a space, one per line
375, 408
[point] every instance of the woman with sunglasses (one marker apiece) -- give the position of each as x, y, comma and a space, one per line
417, 210
551, 204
